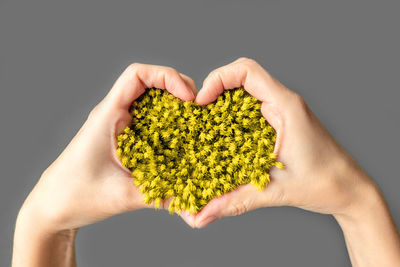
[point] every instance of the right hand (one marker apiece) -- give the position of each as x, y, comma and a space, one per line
319, 175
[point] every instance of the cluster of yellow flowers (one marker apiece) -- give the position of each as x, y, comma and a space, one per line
195, 153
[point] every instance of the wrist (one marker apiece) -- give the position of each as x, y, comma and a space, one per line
31, 220
359, 194
369, 230
366, 204
36, 245
43, 210
364, 200
30, 226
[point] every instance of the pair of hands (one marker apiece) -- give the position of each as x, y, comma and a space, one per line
87, 183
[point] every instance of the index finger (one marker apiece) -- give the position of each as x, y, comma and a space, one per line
137, 77
245, 73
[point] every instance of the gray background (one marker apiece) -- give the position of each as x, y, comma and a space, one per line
59, 58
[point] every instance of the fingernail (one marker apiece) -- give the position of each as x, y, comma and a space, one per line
187, 218
196, 99
206, 221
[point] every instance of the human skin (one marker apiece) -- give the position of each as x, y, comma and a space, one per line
87, 183
319, 174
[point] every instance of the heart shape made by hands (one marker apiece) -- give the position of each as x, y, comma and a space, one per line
194, 153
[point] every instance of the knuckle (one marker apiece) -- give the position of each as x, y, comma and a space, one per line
47, 172
171, 71
213, 72
133, 67
216, 73
241, 59
189, 79
238, 208
249, 62
279, 198
94, 112
300, 102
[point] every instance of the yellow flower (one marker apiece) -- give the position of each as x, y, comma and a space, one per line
193, 154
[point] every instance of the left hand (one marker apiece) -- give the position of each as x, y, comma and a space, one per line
87, 183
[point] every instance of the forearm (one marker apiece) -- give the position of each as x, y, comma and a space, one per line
33, 246
370, 233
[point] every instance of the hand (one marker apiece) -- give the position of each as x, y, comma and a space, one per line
87, 183
319, 174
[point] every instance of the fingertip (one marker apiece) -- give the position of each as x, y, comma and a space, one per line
199, 99
188, 97
186, 93
212, 210
189, 83
206, 221
204, 98
188, 218
192, 95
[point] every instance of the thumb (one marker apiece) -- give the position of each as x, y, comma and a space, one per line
239, 201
